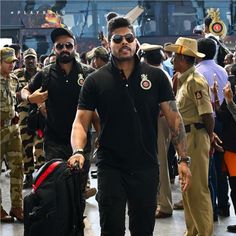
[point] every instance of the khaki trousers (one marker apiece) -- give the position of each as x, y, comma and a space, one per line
197, 200
164, 200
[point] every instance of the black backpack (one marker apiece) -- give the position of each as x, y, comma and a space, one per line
55, 206
222, 51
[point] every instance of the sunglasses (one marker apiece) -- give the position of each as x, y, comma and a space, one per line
117, 38
68, 46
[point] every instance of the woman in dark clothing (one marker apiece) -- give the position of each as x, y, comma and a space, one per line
227, 113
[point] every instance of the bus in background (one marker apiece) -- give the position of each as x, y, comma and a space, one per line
30, 22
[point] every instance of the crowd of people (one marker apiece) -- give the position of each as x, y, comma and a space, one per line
153, 109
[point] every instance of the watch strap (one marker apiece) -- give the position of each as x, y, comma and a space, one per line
78, 151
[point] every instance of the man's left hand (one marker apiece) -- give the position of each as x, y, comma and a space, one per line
184, 176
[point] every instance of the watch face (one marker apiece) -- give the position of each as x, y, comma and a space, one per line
184, 159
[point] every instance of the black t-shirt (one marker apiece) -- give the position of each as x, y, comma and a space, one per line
62, 102
128, 113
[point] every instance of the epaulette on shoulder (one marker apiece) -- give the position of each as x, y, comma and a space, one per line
198, 78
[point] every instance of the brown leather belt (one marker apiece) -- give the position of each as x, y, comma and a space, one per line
196, 125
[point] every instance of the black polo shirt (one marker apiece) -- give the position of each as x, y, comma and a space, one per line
128, 111
63, 95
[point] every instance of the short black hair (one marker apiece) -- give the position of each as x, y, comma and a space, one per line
189, 59
208, 47
154, 57
16, 47
116, 23
111, 15
208, 21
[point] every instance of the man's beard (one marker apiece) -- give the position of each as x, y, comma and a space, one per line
123, 59
31, 66
65, 57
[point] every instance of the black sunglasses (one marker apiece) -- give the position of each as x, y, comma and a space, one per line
60, 46
117, 38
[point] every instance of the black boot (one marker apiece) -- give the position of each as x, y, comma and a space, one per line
232, 228
28, 181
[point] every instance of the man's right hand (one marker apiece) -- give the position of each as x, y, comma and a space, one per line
38, 96
77, 158
228, 94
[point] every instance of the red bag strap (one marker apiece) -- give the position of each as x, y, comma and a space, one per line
49, 170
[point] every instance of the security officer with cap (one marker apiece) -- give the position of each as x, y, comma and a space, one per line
97, 57
32, 141
194, 103
10, 134
154, 56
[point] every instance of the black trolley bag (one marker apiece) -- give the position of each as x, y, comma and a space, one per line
55, 206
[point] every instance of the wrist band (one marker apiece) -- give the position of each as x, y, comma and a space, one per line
78, 151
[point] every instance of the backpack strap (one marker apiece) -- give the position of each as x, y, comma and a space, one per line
46, 77
220, 43
45, 174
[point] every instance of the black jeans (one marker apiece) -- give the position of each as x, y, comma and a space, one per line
221, 177
137, 189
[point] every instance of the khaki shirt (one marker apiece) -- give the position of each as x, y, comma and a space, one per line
8, 96
193, 96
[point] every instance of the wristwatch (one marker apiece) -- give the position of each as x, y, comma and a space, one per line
186, 159
78, 151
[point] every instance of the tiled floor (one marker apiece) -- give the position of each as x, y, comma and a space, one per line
173, 226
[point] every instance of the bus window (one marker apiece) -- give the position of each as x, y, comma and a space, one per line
39, 43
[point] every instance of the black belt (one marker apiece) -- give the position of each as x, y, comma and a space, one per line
196, 125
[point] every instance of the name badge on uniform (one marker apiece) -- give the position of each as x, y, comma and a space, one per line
145, 83
198, 94
80, 80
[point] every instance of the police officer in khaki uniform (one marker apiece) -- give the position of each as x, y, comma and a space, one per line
10, 134
194, 103
32, 141
154, 55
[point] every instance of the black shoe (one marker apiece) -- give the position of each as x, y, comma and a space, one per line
232, 228
28, 181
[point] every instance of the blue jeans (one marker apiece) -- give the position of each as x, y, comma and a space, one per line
212, 183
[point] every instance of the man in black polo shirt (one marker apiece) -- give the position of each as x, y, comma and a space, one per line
62, 82
127, 96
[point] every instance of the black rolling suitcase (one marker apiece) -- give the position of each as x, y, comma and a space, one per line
55, 205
